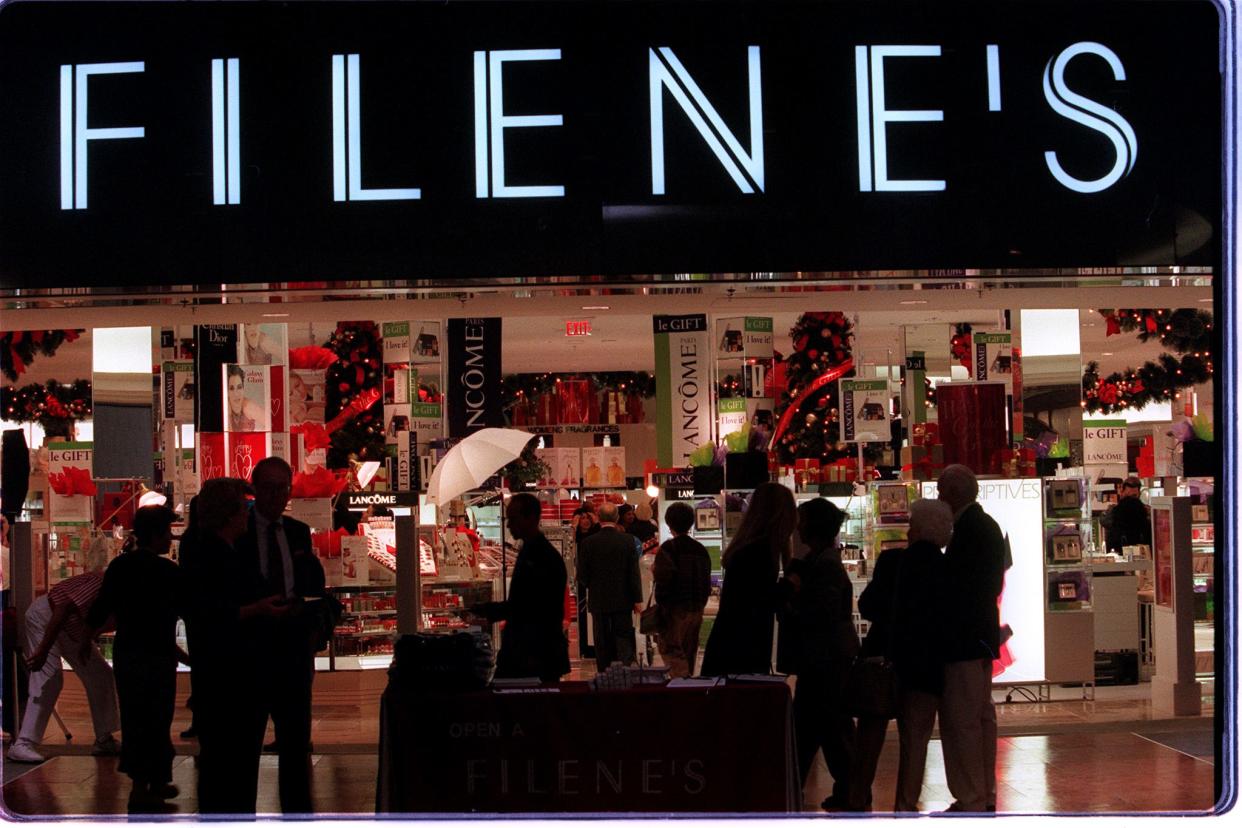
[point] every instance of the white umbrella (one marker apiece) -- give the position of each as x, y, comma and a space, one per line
473, 460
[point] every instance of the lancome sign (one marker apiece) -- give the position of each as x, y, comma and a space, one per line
153, 142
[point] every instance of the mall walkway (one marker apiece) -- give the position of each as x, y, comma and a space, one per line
1067, 755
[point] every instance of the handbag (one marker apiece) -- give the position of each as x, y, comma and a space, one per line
651, 620
871, 688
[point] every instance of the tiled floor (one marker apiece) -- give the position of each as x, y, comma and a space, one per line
1066, 755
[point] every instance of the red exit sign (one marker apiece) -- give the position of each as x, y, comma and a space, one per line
578, 327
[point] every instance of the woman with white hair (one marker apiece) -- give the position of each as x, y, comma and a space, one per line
903, 604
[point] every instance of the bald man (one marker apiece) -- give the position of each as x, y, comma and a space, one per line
974, 568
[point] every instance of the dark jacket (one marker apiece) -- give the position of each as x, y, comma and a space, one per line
682, 574
904, 604
307, 627
226, 651
607, 576
1128, 523
741, 636
817, 634
144, 592
532, 643
974, 571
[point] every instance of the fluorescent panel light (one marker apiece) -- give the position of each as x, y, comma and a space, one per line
121, 350
1050, 333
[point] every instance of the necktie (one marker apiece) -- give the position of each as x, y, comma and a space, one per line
275, 561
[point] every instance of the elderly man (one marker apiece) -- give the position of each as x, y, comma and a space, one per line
974, 569
280, 547
610, 585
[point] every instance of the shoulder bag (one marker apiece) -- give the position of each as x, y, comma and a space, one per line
871, 683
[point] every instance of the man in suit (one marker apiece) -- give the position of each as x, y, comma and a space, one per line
609, 584
282, 547
974, 569
532, 643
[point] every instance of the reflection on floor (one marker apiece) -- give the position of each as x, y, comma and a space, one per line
1063, 755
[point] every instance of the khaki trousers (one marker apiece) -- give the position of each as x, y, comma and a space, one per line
968, 734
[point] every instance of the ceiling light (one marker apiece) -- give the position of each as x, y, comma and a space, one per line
273, 315
1202, 301
596, 307
913, 302
1106, 353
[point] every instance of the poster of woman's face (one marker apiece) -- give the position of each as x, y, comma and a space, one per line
263, 344
246, 398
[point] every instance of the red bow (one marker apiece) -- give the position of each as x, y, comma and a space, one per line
73, 481
314, 436
1108, 393
312, 357
1113, 326
319, 483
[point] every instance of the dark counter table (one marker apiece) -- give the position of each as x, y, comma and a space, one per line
648, 750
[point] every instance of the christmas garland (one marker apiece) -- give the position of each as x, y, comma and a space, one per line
1184, 330
960, 345
516, 388
53, 406
19, 348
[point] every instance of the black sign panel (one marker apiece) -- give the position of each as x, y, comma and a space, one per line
215, 346
200, 143
474, 375
359, 501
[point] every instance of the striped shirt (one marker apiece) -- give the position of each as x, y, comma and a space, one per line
79, 592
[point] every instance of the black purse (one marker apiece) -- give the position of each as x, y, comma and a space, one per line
870, 687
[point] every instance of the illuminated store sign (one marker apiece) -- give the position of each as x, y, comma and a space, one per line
237, 141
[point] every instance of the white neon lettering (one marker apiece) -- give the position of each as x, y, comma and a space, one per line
1092, 115
73, 139
490, 122
881, 116
347, 139
683, 87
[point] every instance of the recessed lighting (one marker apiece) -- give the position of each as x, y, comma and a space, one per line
273, 315
596, 307
1203, 301
1106, 353
913, 302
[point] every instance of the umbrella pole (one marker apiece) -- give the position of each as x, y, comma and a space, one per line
504, 558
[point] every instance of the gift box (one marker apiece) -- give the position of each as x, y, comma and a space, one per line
921, 462
1016, 462
925, 434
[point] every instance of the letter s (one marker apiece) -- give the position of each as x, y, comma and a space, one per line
1075, 107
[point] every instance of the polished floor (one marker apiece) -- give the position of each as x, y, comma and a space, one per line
1062, 755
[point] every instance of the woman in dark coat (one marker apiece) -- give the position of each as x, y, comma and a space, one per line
741, 637
903, 604
141, 590
817, 629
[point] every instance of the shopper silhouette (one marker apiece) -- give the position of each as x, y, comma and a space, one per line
904, 607
143, 591
281, 549
532, 642
55, 629
741, 637
231, 622
818, 628
682, 582
610, 586
974, 569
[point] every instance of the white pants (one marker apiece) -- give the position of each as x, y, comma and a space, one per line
45, 685
968, 734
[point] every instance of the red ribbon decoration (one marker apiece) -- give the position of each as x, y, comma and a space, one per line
314, 436
319, 483
1114, 327
311, 357
818, 383
361, 403
73, 481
